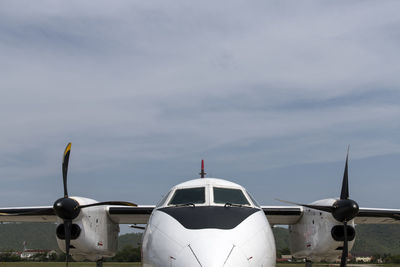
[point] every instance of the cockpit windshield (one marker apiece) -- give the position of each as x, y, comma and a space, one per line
188, 196
229, 195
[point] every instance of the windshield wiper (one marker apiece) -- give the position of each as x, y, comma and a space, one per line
185, 204
228, 204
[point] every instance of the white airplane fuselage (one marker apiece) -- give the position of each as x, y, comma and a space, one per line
208, 235
208, 223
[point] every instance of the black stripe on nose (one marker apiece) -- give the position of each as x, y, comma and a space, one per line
205, 217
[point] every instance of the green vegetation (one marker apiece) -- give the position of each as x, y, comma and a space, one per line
127, 254
132, 264
42, 236
37, 236
62, 264
90, 264
281, 238
378, 240
133, 239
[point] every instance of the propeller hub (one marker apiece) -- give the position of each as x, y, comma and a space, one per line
66, 208
345, 210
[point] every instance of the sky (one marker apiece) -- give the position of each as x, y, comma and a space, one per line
268, 93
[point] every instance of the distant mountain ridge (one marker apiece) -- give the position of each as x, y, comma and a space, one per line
36, 235
371, 239
42, 236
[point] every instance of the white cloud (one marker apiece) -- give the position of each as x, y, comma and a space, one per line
148, 81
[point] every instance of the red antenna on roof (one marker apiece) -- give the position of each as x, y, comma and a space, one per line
202, 173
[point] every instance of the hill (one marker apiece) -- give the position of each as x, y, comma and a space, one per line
281, 238
133, 239
36, 235
377, 239
371, 239
42, 236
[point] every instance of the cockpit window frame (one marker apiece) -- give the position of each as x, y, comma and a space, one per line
250, 202
164, 199
253, 200
206, 198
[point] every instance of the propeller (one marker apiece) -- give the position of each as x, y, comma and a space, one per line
67, 208
343, 209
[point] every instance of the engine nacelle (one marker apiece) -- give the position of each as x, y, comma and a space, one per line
93, 237
318, 236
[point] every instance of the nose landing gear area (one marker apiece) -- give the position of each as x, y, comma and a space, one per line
217, 253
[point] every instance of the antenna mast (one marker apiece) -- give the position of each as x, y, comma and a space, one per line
202, 173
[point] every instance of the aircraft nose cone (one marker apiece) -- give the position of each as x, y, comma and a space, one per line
212, 252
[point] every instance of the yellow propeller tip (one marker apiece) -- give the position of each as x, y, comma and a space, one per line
67, 149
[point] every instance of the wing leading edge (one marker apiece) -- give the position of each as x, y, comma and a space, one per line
378, 216
130, 215
118, 214
287, 215
28, 214
282, 215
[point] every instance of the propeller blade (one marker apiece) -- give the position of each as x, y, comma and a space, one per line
137, 227
67, 229
114, 203
288, 202
316, 207
345, 183
65, 168
345, 252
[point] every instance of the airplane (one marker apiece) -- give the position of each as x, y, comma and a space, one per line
204, 222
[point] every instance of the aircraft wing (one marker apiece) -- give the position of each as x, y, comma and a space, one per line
28, 214
118, 214
378, 216
283, 214
130, 215
287, 215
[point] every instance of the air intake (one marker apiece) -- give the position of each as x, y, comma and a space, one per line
338, 232
75, 231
